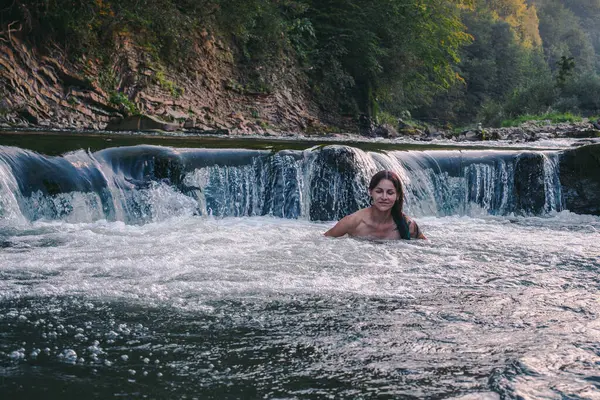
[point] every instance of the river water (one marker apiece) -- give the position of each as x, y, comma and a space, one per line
187, 302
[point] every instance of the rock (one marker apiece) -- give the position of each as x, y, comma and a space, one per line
468, 136
339, 166
433, 133
140, 123
410, 131
216, 131
582, 133
29, 115
402, 124
580, 179
365, 125
189, 123
385, 131
530, 193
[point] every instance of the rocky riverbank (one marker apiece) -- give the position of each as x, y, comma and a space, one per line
41, 90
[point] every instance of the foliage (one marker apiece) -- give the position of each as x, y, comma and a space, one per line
168, 85
456, 62
121, 101
553, 117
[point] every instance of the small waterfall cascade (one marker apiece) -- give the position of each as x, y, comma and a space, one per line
142, 184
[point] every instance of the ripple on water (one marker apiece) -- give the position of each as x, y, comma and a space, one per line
262, 307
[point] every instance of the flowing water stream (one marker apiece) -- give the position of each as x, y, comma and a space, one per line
161, 272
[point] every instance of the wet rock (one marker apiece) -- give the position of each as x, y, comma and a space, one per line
141, 123
580, 179
338, 167
220, 131
530, 194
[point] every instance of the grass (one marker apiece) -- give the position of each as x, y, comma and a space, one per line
120, 100
170, 86
553, 117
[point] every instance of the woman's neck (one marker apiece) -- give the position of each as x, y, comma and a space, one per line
380, 217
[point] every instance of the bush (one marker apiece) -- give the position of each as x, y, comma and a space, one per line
534, 99
553, 117
491, 113
583, 93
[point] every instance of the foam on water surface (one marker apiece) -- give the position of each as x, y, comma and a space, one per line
269, 307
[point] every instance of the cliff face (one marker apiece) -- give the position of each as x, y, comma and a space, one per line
43, 89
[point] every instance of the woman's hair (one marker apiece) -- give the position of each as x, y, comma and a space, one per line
397, 214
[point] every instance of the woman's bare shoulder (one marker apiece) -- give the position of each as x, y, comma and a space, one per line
347, 224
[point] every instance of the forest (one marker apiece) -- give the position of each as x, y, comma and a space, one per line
448, 62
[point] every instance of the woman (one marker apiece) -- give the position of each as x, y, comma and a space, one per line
384, 219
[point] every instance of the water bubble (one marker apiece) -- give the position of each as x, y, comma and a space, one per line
95, 348
69, 356
18, 354
80, 337
124, 329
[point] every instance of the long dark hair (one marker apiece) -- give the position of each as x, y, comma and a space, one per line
397, 213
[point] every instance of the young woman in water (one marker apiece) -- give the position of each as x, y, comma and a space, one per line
384, 219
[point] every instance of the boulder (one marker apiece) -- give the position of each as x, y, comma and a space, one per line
530, 192
468, 136
141, 123
339, 188
580, 179
385, 131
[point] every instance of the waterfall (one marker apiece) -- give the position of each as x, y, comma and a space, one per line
142, 184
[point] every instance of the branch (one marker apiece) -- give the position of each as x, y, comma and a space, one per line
9, 30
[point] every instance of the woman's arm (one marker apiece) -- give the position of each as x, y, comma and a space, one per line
343, 226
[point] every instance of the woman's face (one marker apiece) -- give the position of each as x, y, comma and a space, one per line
384, 195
